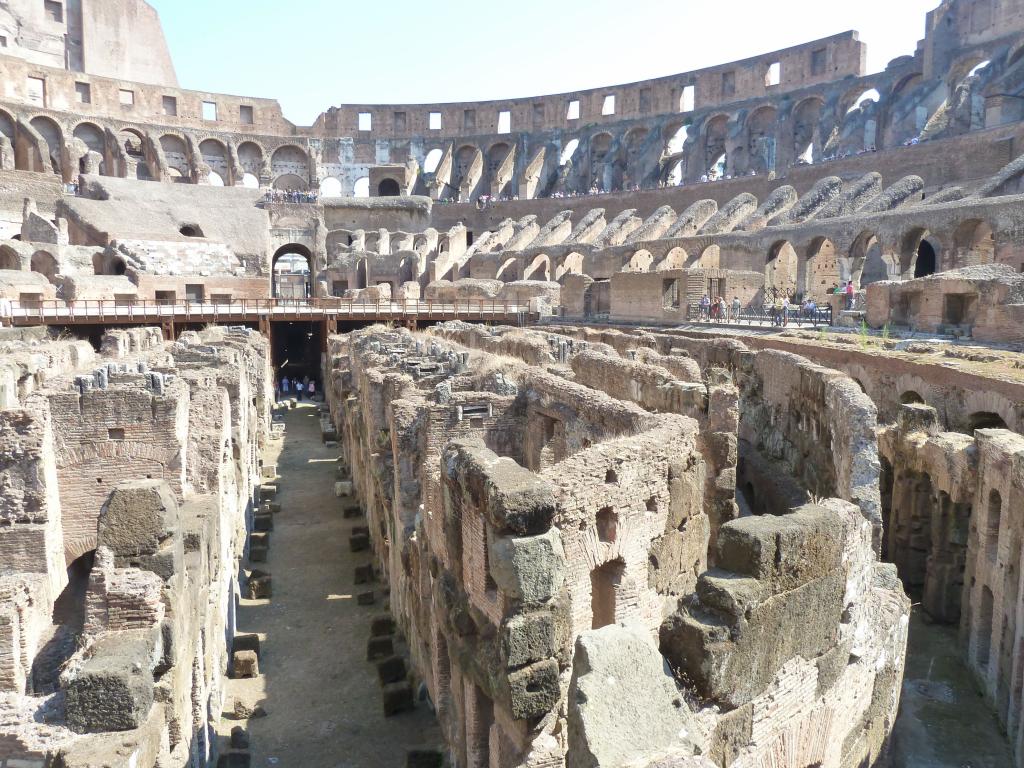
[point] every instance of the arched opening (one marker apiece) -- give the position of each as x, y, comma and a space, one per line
568, 151
640, 261
250, 181
388, 188
191, 230
635, 142
985, 420
805, 118
9, 259
605, 583
45, 264
571, 265
674, 259
761, 140
781, 267
250, 157
330, 187
821, 277
108, 264
871, 94
710, 258
54, 138
866, 250
539, 268
432, 160
509, 270
925, 264
215, 155
974, 243
176, 154
600, 178
290, 270
910, 396
93, 137
293, 161
68, 619
607, 525
362, 187
290, 183
715, 154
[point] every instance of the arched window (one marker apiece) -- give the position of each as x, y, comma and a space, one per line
388, 188
361, 187
926, 260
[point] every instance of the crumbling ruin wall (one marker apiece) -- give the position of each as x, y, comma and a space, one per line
138, 647
527, 512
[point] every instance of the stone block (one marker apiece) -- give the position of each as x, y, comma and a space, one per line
259, 539
358, 542
269, 471
258, 553
263, 523
268, 492
528, 568
529, 638
534, 690
366, 598
379, 647
364, 574
360, 530
113, 689
623, 705
259, 585
270, 507
343, 488
382, 625
391, 670
239, 738
397, 698
352, 510
246, 642
140, 525
342, 474
244, 664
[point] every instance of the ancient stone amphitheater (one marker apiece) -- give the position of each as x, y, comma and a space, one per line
420, 436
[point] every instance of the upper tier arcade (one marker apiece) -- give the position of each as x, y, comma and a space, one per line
763, 116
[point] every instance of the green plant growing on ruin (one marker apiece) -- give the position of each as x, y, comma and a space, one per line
822, 336
862, 335
885, 332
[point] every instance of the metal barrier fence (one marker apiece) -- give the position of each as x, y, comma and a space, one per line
762, 315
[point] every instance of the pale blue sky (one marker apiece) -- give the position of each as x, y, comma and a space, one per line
312, 54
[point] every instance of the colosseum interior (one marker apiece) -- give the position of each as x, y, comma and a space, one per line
674, 424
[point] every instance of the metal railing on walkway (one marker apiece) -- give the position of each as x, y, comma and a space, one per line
761, 315
50, 312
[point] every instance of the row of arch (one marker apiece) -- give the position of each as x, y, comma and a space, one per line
815, 269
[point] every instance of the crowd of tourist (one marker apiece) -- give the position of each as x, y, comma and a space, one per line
290, 196
299, 388
780, 310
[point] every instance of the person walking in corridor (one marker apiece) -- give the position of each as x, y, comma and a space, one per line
298, 390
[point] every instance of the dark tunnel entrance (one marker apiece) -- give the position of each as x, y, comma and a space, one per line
296, 349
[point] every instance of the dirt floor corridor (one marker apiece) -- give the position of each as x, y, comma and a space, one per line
321, 698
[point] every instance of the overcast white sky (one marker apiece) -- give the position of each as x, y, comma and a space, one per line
312, 54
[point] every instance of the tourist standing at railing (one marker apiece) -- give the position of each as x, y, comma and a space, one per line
705, 307
736, 309
785, 310
849, 294
723, 310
